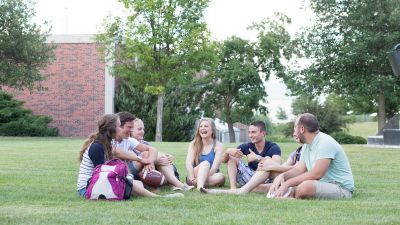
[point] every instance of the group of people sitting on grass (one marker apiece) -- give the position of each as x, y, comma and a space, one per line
319, 168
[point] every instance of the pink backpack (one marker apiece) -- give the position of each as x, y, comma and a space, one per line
109, 181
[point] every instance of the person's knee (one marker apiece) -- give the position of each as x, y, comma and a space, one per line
233, 161
220, 178
205, 164
306, 189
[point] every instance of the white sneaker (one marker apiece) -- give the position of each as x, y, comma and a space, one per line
187, 187
270, 195
174, 195
287, 193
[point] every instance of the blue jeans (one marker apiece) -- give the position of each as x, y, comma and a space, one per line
82, 192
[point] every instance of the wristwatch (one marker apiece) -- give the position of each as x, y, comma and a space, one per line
258, 157
139, 158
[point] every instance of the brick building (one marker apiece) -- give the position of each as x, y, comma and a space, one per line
79, 88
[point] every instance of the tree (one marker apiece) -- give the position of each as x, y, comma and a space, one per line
281, 114
236, 87
348, 46
179, 113
23, 51
235, 84
329, 117
162, 44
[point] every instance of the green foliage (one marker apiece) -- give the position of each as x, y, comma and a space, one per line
274, 44
235, 85
161, 44
344, 138
280, 138
234, 90
17, 121
23, 51
179, 115
348, 49
287, 129
281, 114
330, 120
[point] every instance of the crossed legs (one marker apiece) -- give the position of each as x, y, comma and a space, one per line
202, 172
256, 182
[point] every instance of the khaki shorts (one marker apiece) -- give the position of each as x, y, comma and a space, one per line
330, 191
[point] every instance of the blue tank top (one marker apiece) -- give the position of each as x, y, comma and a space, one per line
209, 157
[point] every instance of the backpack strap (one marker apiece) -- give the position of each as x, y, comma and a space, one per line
297, 154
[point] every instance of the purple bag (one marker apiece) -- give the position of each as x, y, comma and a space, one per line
108, 181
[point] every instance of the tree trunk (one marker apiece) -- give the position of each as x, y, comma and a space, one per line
232, 138
381, 112
160, 105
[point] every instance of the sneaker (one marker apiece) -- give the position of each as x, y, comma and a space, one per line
270, 195
288, 192
185, 187
174, 195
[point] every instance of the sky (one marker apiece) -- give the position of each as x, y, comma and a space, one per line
224, 18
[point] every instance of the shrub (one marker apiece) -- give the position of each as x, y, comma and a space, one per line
280, 138
345, 138
17, 121
179, 115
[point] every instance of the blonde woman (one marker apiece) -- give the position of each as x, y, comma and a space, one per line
204, 156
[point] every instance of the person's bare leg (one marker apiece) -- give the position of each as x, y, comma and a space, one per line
258, 178
168, 172
262, 188
139, 190
202, 174
232, 165
306, 189
216, 179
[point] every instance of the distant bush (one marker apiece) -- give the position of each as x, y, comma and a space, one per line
280, 138
17, 121
344, 138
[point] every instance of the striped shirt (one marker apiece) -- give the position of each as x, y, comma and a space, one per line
85, 170
93, 156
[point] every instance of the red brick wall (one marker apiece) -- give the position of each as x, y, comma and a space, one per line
75, 91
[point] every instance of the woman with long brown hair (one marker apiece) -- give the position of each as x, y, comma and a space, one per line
98, 148
204, 156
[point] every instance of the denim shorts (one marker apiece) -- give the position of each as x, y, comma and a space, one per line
133, 169
82, 192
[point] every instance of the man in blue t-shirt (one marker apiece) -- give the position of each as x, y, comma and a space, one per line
323, 171
258, 150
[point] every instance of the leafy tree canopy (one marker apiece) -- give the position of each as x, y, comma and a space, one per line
348, 46
23, 51
161, 44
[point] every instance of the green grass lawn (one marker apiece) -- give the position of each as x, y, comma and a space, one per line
38, 186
